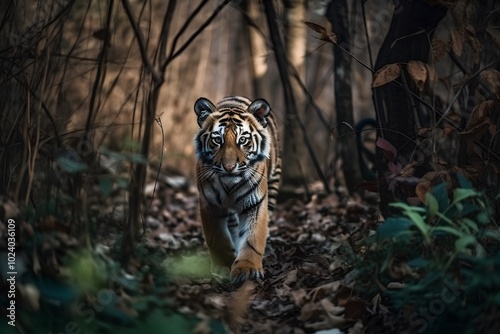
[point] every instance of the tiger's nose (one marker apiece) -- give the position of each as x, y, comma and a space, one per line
229, 167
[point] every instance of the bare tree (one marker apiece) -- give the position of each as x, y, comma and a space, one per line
294, 150
295, 14
155, 70
338, 15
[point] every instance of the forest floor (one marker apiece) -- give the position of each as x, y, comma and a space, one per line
167, 287
308, 285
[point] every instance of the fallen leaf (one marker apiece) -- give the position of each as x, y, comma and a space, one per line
336, 320
329, 307
358, 328
299, 297
291, 277
309, 311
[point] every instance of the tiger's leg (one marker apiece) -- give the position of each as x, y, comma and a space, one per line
218, 238
252, 244
233, 223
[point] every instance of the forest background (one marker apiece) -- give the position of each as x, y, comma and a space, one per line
395, 98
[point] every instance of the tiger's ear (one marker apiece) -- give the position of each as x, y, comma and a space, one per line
203, 107
260, 109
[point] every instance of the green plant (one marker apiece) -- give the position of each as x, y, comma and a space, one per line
446, 255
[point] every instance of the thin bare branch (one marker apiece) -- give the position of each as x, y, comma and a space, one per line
283, 67
142, 43
197, 32
186, 24
367, 36
163, 38
100, 69
463, 85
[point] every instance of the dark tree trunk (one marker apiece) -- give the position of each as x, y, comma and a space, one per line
293, 178
412, 26
338, 15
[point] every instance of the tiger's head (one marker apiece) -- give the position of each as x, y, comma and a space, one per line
233, 135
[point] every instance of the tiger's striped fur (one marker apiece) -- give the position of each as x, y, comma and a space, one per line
238, 173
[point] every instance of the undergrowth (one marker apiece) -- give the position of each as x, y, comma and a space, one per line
438, 266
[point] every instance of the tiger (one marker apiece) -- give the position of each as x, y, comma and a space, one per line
238, 173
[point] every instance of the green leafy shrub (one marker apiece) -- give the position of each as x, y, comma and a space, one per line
438, 266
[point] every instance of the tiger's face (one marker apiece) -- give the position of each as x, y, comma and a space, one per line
232, 136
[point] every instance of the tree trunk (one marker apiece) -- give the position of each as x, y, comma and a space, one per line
296, 168
338, 15
412, 26
295, 45
258, 49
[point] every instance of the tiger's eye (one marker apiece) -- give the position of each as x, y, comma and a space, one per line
216, 140
243, 141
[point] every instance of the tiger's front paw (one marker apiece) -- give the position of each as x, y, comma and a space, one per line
242, 271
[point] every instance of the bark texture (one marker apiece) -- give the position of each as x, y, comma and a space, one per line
338, 15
